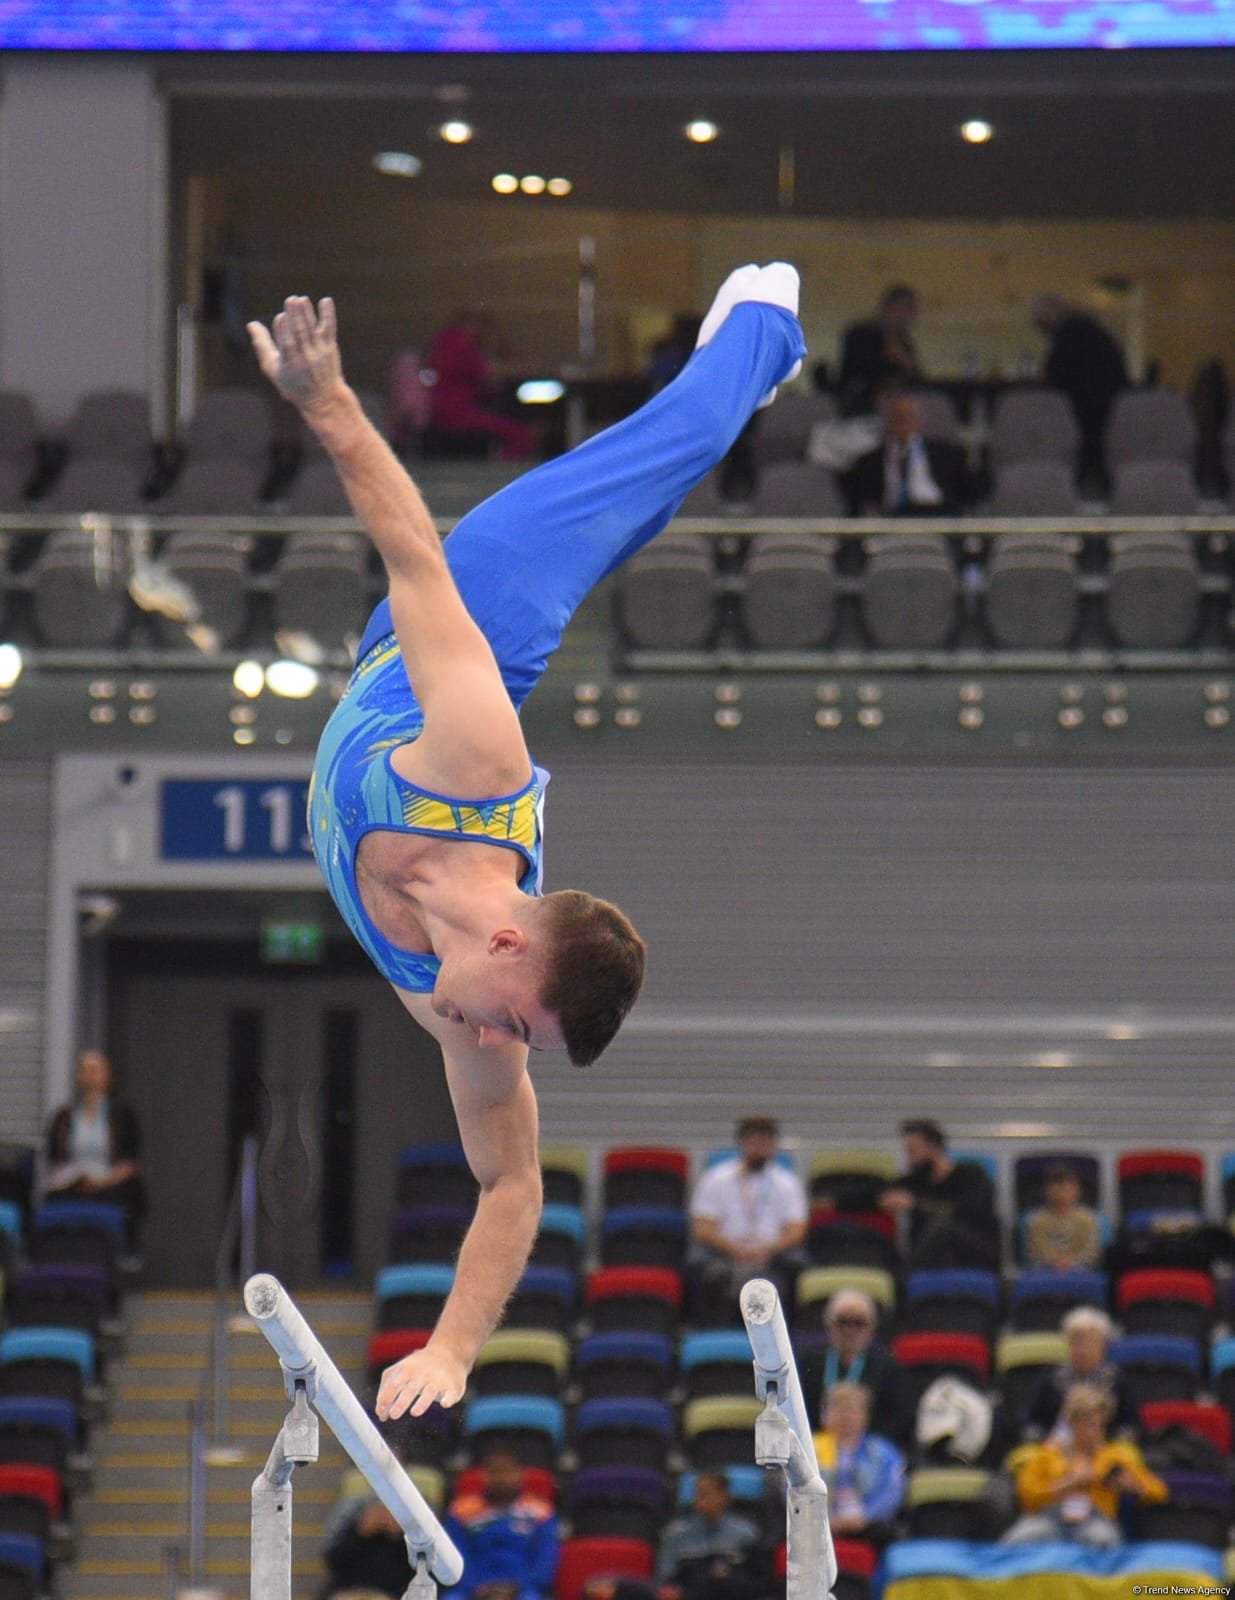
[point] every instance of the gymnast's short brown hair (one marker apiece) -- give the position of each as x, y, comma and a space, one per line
594, 970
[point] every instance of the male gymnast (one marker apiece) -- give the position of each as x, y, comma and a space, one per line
423, 761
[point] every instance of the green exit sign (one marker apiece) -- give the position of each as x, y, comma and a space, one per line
292, 941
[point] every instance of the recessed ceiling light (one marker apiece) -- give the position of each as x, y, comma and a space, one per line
397, 163
560, 186
455, 132
505, 182
977, 131
701, 131
291, 679
533, 184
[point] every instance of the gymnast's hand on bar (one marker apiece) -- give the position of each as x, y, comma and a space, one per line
413, 1384
299, 353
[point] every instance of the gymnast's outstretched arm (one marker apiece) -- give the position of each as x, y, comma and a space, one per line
472, 743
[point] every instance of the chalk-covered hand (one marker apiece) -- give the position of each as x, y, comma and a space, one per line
299, 352
413, 1384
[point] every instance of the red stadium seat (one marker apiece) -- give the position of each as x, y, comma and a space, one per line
1166, 1300
857, 1557
927, 1356
645, 1175
634, 1299
34, 1483
1212, 1422
582, 1559
1160, 1180
536, 1480
385, 1348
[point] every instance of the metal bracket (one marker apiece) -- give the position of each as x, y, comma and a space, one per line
300, 1429
423, 1585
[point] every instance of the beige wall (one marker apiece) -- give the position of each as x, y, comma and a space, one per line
398, 266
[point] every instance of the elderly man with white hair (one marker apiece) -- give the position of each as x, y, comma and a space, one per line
1088, 1332
853, 1354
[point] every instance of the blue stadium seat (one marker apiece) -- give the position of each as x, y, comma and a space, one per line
561, 1237
1159, 1366
623, 1433
979, 1158
643, 1236
747, 1485
545, 1297
412, 1296
716, 1361
24, 1552
1040, 1298
627, 1366
89, 1232
617, 1502
10, 1219
951, 1300
435, 1175
531, 1426
68, 1345
429, 1233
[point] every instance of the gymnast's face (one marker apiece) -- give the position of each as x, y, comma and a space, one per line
492, 990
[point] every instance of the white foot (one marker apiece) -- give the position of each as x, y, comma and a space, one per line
777, 284
735, 287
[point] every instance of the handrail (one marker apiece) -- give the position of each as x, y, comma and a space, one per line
208, 1412
784, 1439
309, 1371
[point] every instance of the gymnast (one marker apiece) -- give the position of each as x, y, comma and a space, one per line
430, 716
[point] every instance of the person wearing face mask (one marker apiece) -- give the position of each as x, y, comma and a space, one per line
853, 1355
949, 1205
748, 1220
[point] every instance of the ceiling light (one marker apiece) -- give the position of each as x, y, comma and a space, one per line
560, 186
533, 184
505, 182
540, 391
977, 131
701, 131
294, 680
243, 736
10, 665
249, 679
397, 163
455, 132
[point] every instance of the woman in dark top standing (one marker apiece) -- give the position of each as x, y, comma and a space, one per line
94, 1146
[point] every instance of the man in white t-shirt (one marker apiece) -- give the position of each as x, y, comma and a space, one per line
748, 1219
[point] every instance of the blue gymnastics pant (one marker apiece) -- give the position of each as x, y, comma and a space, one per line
526, 557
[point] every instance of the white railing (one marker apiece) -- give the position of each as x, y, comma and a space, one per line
784, 1439
314, 1384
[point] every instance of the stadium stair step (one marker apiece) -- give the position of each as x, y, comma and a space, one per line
136, 1506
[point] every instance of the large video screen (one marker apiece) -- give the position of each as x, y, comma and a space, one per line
618, 25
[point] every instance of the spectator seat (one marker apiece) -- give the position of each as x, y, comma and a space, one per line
560, 1238
51, 1295
627, 1366
910, 593
643, 1236
631, 1299
531, 1427
1040, 1298
1222, 1371
583, 1559
1159, 1366
716, 1361
321, 590
816, 1286
948, 1503
522, 1361
1165, 1301
718, 1431
850, 1180
1153, 594
51, 1363
1029, 1177
92, 484
70, 610
429, 1233
1031, 599
36, 1431
1150, 425
645, 1176
788, 594
111, 425
435, 1175
797, 489
563, 1170
544, 1297
621, 1502
784, 430
951, 1300
1022, 1360
1160, 1180
1198, 1511
623, 1433
1034, 426
927, 1356
666, 595
1154, 489
852, 1239
23, 1566
538, 1481
411, 1296
1202, 1417
1033, 489
384, 1349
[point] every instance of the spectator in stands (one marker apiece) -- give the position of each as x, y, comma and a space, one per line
864, 1472
880, 351
1088, 1334
1062, 1234
1072, 1490
508, 1538
461, 395
950, 1205
366, 1553
1086, 363
853, 1355
710, 1553
94, 1144
748, 1220
907, 475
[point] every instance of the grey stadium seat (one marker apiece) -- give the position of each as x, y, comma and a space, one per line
213, 567
1154, 489
95, 484
72, 608
230, 422
789, 592
321, 588
910, 592
14, 476
1032, 601
216, 487
939, 419
317, 491
705, 500
783, 429
1150, 425
1153, 591
796, 489
111, 424
1033, 489
1034, 425
19, 425
666, 595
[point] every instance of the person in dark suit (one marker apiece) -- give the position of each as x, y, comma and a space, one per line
879, 351
908, 475
94, 1144
1087, 365
853, 1354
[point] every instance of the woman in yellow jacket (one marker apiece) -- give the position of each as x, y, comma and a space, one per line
1071, 1485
